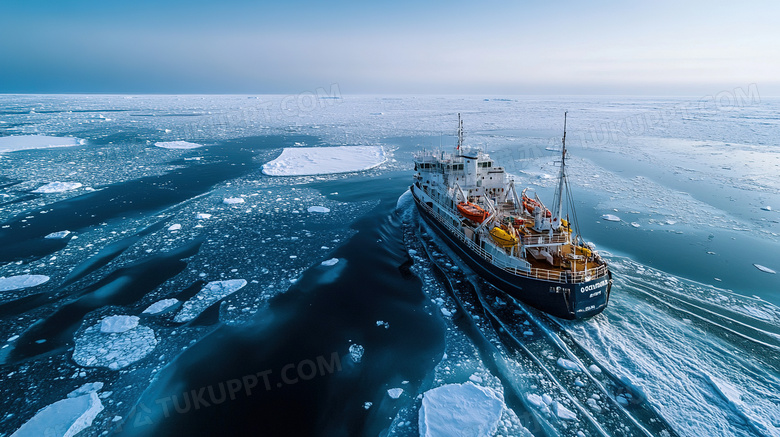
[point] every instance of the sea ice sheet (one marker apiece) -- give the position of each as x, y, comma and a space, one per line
209, 294
21, 281
26, 142
66, 417
460, 410
305, 161
115, 350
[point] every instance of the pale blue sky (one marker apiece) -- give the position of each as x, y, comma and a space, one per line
491, 47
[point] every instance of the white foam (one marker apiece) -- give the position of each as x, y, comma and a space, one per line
58, 187
209, 294
177, 145
303, 161
21, 281
118, 323
28, 142
160, 306
460, 410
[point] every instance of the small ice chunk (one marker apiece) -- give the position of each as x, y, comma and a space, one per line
568, 364
635, 224
367, 405
202, 216
118, 323
766, 208
209, 294
177, 145
21, 281
66, 417
356, 352
594, 368
564, 413
321, 209
446, 312
160, 306
475, 378
536, 401
57, 235
174, 227
610, 218
233, 200
395, 393
764, 269
330, 262
58, 187
460, 410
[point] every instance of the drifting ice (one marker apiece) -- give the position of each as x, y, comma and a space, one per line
160, 306
610, 218
115, 350
27, 142
21, 281
305, 161
66, 417
460, 410
58, 187
321, 209
210, 293
177, 145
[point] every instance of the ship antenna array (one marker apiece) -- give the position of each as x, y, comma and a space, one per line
460, 132
558, 201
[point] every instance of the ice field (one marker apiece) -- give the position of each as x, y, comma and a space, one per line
155, 248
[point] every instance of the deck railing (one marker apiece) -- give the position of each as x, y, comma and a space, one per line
546, 274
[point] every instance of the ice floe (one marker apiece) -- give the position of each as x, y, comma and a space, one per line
202, 216
57, 235
118, 324
160, 306
303, 161
330, 262
208, 295
27, 142
114, 349
568, 365
764, 269
460, 410
321, 209
610, 218
395, 393
174, 227
356, 352
21, 281
233, 200
66, 417
58, 187
177, 145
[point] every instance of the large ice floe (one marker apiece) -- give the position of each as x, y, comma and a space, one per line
177, 145
114, 342
28, 142
66, 417
208, 295
57, 187
304, 161
460, 410
19, 282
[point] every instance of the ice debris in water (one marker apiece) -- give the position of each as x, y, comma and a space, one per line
177, 145
57, 235
66, 417
764, 269
118, 323
395, 393
209, 294
594, 368
160, 306
610, 218
330, 262
232, 200
766, 208
367, 405
568, 365
58, 187
304, 161
321, 209
202, 216
114, 349
356, 352
21, 281
174, 227
460, 410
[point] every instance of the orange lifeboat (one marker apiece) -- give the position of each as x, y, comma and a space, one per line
472, 212
531, 204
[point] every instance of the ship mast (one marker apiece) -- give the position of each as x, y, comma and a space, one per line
460, 133
558, 205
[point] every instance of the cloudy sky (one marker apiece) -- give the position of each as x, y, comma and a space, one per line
658, 47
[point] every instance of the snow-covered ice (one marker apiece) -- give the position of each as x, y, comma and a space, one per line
233, 200
177, 145
460, 410
57, 187
304, 161
115, 350
21, 281
208, 295
330, 262
202, 216
174, 227
765, 269
118, 324
395, 393
26, 142
568, 364
356, 352
610, 218
160, 306
66, 417
321, 209
57, 235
